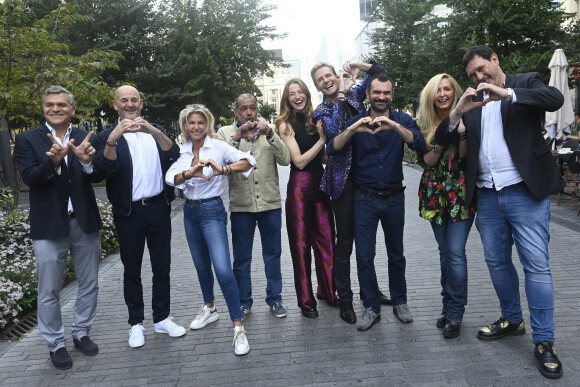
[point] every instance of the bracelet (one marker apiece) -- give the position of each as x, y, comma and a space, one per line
462, 136
226, 170
183, 174
109, 144
436, 149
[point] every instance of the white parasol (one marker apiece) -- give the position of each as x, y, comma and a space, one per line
562, 118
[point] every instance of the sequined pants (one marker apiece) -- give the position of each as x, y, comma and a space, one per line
310, 225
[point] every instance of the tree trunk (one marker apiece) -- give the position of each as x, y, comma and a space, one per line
9, 174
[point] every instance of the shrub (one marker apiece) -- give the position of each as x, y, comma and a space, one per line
18, 282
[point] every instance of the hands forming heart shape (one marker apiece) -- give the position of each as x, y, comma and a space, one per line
373, 126
247, 130
209, 166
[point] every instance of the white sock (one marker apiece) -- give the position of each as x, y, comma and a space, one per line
211, 309
237, 328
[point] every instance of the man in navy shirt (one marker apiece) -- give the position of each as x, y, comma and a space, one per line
378, 137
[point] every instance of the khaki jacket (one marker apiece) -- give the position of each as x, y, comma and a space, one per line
260, 191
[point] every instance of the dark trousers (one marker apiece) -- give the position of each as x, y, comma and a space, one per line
343, 208
151, 223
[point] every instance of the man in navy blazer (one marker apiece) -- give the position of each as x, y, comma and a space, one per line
134, 156
64, 218
511, 171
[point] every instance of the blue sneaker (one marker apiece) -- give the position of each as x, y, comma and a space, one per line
278, 310
245, 312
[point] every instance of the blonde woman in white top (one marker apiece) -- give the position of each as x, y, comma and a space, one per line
199, 171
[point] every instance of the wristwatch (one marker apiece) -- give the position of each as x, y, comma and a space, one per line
510, 94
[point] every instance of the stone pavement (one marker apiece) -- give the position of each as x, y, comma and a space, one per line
323, 351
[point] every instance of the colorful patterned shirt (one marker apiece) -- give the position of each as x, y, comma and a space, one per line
442, 189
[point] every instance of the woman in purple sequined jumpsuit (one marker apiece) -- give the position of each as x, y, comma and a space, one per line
309, 219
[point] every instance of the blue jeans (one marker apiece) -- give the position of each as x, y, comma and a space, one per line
451, 238
243, 229
205, 228
514, 215
368, 211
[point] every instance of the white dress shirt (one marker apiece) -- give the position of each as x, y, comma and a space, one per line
147, 173
496, 167
222, 153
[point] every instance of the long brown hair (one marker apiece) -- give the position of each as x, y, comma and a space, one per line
288, 114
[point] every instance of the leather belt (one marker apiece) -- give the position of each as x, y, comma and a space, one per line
71, 215
193, 202
147, 201
381, 194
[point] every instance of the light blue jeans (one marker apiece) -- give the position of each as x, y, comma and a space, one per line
205, 228
514, 215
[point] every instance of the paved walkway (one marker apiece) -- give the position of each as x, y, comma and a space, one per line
323, 351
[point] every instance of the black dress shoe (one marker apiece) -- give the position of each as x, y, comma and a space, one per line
442, 320
383, 299
451, 329
61, 359
550, 365
500, 329
333, 304
347, 312
309, 312
86, 345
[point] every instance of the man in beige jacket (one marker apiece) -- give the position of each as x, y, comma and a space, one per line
256, 200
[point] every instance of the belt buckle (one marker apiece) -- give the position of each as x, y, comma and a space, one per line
191, 202
144, 201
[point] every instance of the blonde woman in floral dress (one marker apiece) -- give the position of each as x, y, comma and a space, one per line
442, 198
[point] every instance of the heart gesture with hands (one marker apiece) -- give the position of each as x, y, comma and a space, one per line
197, 169
345, 81
262, 127
352, 69
380, 123
247, 131
373, 126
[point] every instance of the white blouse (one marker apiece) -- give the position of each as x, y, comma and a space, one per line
221, 152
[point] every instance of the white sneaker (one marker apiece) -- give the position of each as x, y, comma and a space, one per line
136, 338
169, 327
204, 317
241, 345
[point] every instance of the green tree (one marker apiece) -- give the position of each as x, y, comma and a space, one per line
135, 29
33, 59
524, 34
400, 46
211, 54
267, 111
414, 44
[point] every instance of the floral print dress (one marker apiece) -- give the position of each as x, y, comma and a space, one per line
442, 189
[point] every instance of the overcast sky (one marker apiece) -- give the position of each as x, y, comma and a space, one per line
311, 24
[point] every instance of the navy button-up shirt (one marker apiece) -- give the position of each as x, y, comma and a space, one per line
378, 159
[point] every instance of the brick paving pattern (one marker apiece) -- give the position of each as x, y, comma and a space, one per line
323, 351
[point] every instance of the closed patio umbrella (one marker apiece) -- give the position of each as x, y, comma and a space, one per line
562, 118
